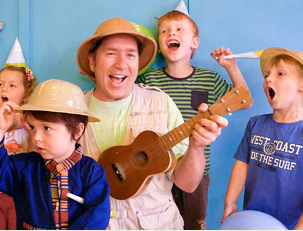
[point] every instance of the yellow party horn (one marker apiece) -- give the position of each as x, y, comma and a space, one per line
248, 55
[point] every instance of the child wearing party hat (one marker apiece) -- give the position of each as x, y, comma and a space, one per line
17, 83
270, 156
178, 38
56, 186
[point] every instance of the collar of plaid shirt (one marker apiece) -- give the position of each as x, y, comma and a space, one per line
59, 186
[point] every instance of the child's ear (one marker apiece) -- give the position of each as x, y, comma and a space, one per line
159, 51
80, 131
195, 43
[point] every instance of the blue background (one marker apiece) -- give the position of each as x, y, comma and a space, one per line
50, 32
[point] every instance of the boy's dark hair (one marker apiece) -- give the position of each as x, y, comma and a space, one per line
287, 59
71, 121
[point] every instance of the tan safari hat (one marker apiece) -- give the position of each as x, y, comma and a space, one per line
111, 27
272, 52
58, 96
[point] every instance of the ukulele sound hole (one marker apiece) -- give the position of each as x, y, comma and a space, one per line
140, 158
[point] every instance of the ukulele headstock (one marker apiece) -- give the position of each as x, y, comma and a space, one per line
232, 101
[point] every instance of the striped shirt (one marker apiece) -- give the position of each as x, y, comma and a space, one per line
201, 86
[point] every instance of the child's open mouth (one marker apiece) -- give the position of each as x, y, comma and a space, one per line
271, 93
4, 99
173, 45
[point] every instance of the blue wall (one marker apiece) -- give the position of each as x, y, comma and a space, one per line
51, 31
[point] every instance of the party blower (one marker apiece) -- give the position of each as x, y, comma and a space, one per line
247, 55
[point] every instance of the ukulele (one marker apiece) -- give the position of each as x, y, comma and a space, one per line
130, 167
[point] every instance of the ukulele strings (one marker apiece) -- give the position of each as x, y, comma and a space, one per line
218, 108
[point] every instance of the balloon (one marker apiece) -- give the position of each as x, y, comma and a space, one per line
144, 30
251, 220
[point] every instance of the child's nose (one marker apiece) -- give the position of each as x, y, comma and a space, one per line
269, 79
37, 136
172, 32
4, 88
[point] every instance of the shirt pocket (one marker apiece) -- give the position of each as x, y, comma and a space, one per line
198, 97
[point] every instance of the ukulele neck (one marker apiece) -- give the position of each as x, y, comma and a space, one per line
183, 131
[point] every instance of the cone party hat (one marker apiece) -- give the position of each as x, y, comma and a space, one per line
16, 57
182, 8
247, 55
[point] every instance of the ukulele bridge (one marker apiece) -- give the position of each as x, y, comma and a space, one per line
119, 174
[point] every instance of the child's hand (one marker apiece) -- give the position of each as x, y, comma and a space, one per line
218, 55
229, 210
24, 124
7, 116
31, 145
18, 123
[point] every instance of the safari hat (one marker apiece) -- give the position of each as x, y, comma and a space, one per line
58, 96
269, 53
111, 27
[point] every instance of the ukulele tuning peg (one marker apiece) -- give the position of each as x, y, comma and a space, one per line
230, 114
222, 100
228, 109
237, 91
244, 101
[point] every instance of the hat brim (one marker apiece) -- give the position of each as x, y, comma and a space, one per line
26, 107
148, 53
270, 53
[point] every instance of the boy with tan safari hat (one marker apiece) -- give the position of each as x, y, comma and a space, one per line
270, 157
112, 58
55, 186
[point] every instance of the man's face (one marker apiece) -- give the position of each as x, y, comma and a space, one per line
115, 64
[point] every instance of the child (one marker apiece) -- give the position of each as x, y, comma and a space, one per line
16, 85
56, 187
269, 158
189, 86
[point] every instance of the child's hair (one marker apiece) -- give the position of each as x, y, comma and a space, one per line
29, 84
175, 15
71, 121
287, 59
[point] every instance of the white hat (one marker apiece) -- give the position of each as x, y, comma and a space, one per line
59, 96
182, 8
16, 57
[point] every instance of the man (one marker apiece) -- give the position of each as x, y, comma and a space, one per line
112, 59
